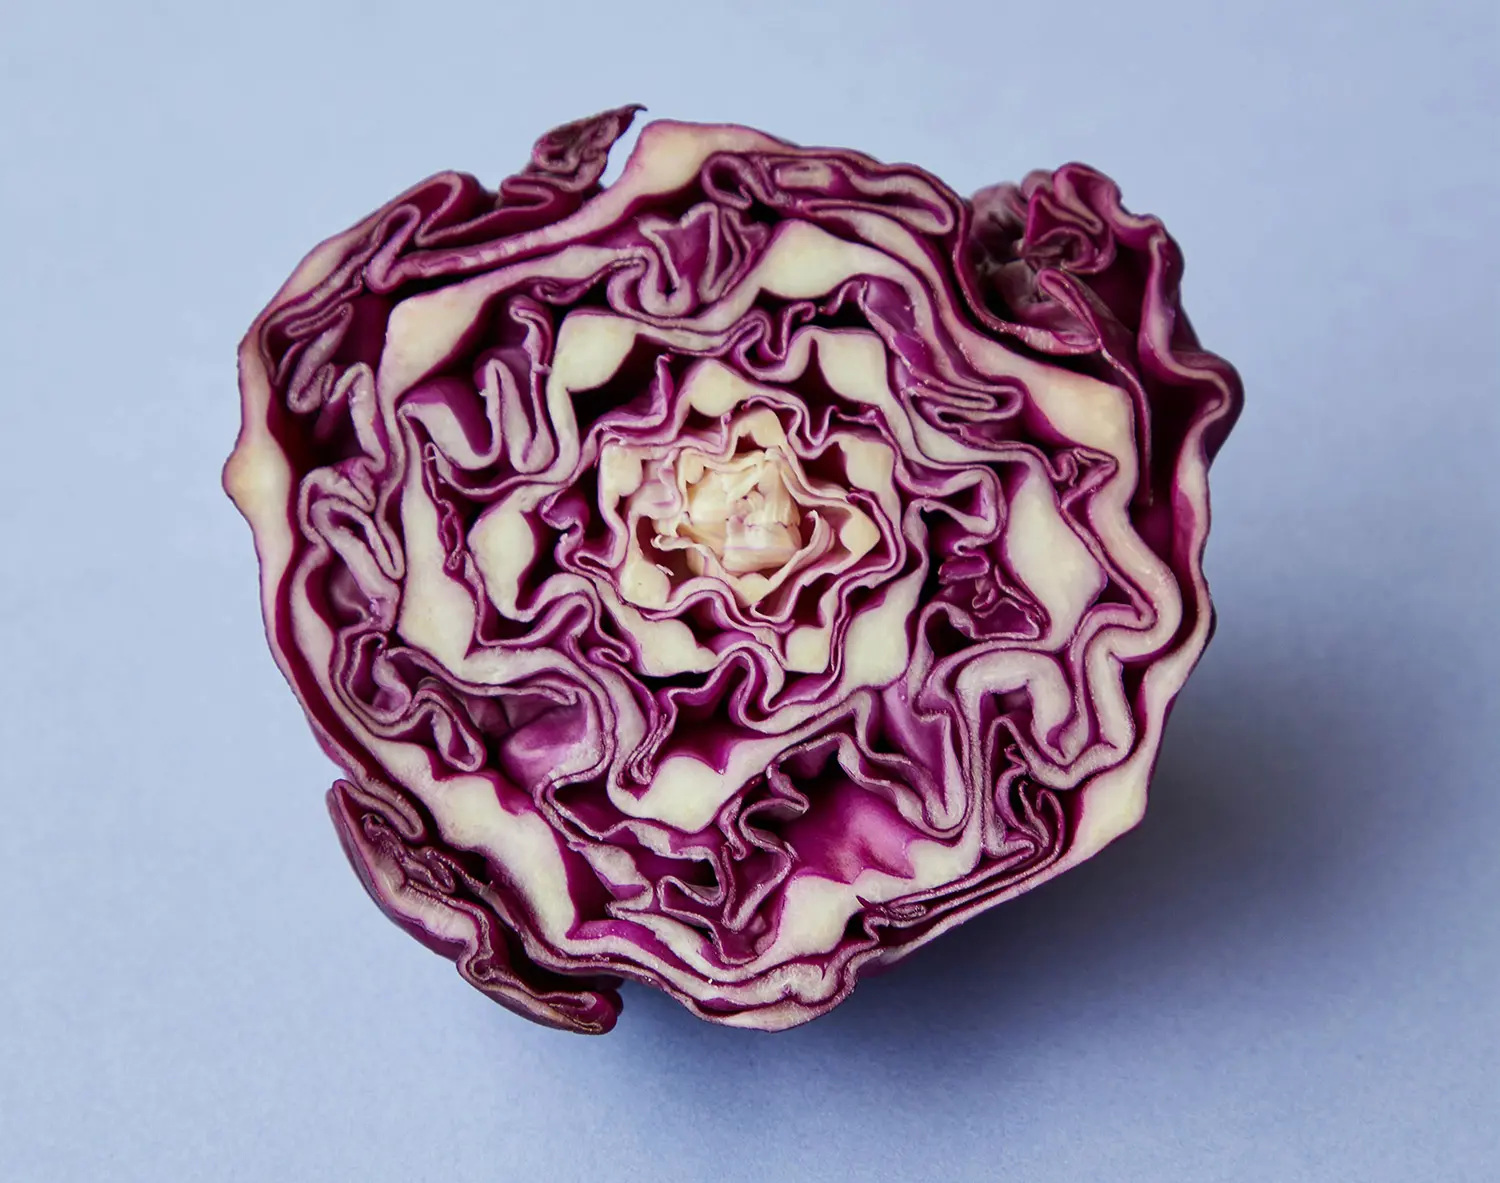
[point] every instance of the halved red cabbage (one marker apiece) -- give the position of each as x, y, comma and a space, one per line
734, 577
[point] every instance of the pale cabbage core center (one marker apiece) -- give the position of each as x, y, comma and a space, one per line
740, 511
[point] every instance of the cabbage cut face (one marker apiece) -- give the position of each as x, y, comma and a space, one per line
732, 578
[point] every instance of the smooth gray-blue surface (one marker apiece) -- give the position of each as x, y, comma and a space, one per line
1288, 973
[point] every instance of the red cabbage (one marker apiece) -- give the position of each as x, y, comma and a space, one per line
730, 578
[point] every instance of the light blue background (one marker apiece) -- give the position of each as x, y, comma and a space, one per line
1291, 972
